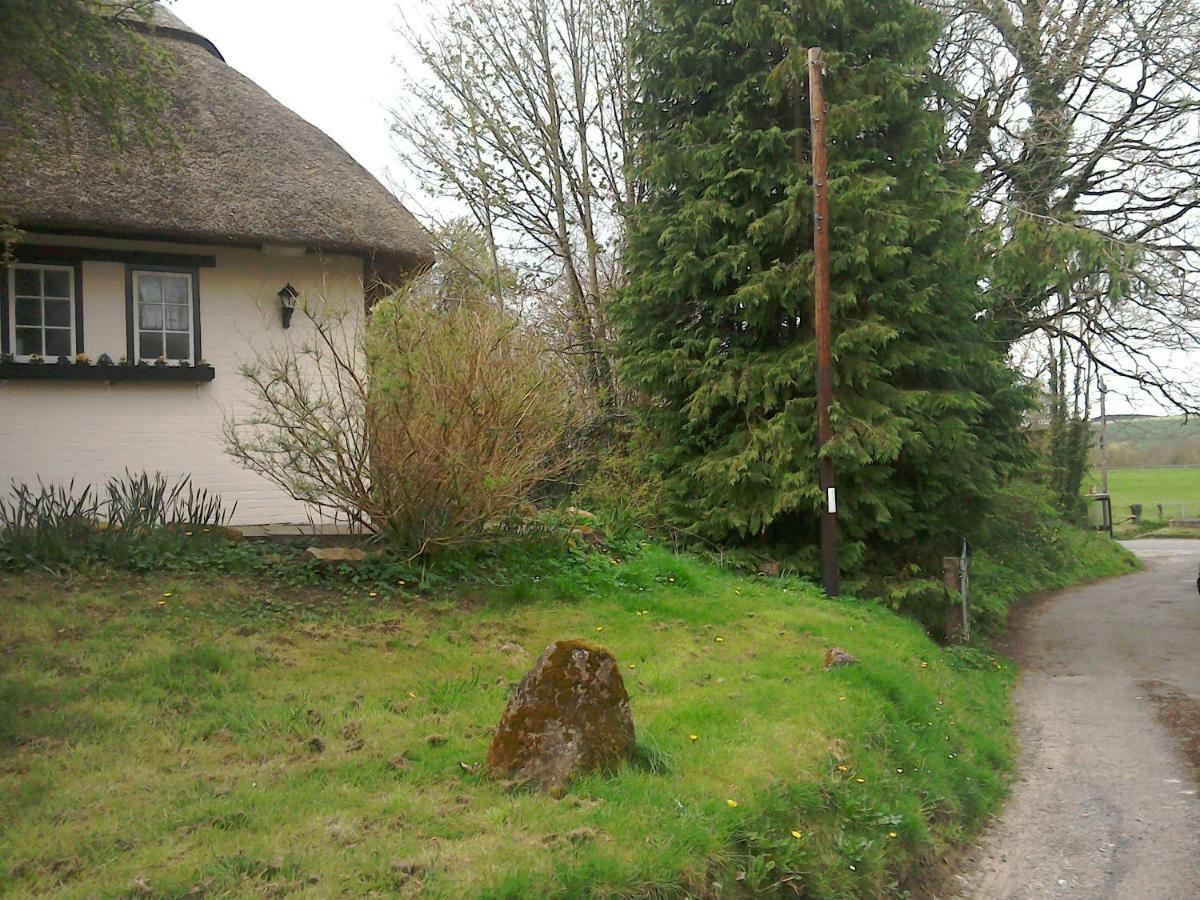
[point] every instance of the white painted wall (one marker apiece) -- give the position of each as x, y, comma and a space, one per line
86, 431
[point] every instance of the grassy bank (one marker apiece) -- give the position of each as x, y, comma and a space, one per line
166, 733
1024, 549
244, 723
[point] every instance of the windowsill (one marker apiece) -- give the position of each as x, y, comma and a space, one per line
58, 372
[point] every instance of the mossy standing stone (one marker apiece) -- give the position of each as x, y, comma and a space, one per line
569, 714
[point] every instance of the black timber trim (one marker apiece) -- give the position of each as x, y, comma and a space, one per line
58, 372
4, 321
43, 253
130, 351
79, 307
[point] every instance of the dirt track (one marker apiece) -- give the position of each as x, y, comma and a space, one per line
1108, 713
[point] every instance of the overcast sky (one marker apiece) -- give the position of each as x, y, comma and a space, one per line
332, 62
341, 66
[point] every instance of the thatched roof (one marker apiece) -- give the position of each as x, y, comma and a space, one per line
250, 172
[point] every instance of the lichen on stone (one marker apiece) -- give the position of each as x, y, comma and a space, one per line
569, 714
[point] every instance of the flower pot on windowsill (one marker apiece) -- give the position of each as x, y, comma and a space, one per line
42, 371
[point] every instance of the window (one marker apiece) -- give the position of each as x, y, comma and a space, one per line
43, 310
164, 303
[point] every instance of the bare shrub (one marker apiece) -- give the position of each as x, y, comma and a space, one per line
429, 427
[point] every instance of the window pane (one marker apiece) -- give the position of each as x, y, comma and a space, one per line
58, 312
150, 288
151, 345
177, 318
29, 312
58, 342
57, 282
175, 288
29, 340
28, 282
150, 315
177, 346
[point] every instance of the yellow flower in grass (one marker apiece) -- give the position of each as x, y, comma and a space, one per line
732, 804
891, 834
796, 834
861, 780
843, 768
599, 627
693, 738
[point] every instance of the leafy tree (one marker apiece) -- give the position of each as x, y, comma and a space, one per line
1082, 120
521, 115
717, 318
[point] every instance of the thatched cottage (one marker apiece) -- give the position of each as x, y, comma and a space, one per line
188, 260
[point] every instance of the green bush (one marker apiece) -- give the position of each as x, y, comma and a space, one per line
621, 487
1025, 547
432, 426
1021, 547
466, 415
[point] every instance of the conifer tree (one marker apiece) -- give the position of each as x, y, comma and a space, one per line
716, 321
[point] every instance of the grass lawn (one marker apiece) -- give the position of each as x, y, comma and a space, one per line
1175, 488
168, 735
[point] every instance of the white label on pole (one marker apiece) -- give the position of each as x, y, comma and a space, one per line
831, 500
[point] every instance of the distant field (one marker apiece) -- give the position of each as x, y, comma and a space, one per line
1177, 489
1135, 441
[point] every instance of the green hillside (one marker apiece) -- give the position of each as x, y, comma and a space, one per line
1136, 441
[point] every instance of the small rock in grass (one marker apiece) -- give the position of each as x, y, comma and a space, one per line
569, 714
836, 656
337, 556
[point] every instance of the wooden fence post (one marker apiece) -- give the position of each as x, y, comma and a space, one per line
956, 626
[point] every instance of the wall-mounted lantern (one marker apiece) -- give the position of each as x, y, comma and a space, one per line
287, 303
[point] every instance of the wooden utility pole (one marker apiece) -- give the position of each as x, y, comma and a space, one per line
1103, 437
823, 328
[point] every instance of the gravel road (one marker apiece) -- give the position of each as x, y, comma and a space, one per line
1108, 716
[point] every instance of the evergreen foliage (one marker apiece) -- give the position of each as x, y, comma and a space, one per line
716, 321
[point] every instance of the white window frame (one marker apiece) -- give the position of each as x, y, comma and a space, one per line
11, 324
136, 275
